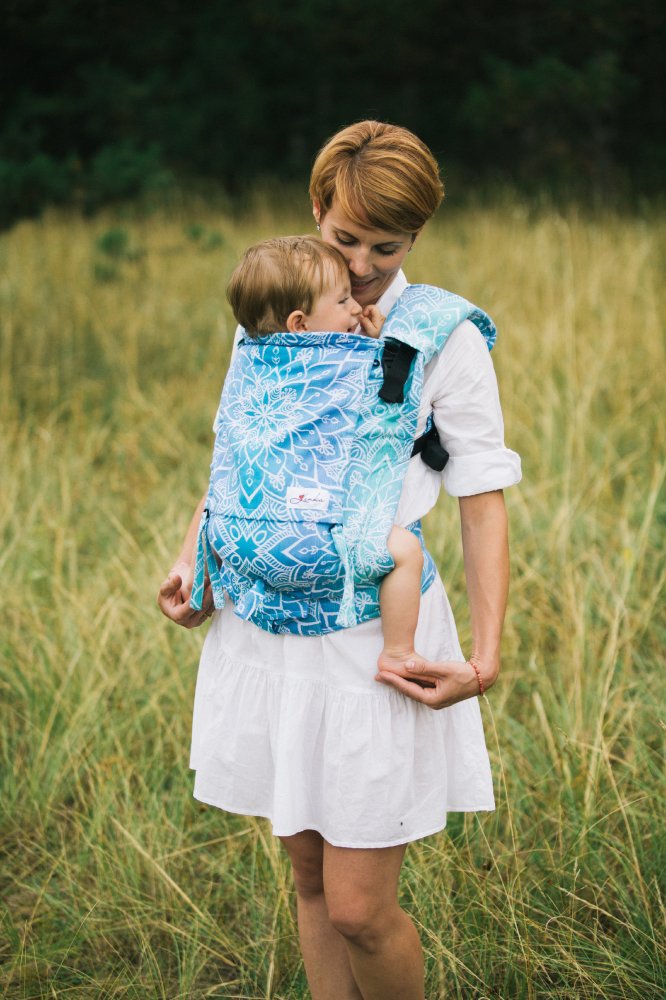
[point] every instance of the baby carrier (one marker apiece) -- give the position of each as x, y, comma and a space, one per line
313, 437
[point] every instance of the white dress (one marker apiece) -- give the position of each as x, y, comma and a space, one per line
296, 729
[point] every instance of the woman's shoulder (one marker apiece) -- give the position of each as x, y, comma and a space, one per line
464, 354
426, 317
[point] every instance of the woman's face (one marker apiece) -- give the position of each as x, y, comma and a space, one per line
374, 256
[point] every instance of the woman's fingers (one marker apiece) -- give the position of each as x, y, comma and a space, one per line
449, 682
169, 596
186, 573
184, 615
176, 606
171, 586
431, 696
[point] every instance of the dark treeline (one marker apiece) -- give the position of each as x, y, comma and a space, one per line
101, 98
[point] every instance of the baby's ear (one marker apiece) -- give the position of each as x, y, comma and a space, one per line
296, 322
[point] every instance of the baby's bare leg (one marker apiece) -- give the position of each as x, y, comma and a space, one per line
400, 598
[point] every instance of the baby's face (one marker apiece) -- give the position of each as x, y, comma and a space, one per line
335, 309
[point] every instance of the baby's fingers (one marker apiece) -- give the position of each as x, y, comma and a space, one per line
372, 320
368, 329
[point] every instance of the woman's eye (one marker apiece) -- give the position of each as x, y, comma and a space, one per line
382, 251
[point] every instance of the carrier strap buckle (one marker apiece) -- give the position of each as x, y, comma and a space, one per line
397, 360
430, 448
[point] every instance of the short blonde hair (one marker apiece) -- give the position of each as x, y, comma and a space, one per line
382, 175
277, 276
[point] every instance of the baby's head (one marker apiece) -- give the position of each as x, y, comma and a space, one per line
295, 283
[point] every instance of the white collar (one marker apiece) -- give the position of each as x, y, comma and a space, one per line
392, 293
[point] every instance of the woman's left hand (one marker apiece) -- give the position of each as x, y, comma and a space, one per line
439, 685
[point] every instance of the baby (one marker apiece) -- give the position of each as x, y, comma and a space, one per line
301, 284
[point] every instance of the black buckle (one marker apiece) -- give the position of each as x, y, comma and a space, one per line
430, 448
397, 360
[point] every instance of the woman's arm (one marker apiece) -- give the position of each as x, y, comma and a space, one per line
485, 538
486, 555
173, 598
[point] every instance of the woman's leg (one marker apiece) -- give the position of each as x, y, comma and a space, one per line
361, 888
324, 950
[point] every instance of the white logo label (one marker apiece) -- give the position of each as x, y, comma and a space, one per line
307, 498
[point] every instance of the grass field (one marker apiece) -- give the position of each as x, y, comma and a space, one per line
115, 883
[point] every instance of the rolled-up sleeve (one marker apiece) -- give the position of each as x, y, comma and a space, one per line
468, 417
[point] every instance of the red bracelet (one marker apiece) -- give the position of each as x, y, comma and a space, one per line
478, 676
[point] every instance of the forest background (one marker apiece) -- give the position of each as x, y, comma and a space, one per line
100, 100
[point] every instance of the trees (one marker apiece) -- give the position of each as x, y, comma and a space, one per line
99, 98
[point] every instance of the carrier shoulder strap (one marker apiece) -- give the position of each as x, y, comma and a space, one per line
423, 318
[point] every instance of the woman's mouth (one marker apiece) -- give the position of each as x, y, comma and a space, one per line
362, 284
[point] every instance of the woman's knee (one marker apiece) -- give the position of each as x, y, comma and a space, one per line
361, 888
305, 852
360, 920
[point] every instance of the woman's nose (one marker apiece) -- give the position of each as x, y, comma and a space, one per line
358, 263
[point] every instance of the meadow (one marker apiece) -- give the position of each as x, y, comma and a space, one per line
115, 335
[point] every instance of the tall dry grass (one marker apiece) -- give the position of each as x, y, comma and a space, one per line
115, 883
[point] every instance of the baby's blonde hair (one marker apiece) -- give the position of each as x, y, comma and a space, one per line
382, 175
277, 276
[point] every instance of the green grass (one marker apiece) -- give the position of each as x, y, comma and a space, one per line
115, 882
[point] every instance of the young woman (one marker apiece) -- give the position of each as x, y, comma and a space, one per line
350, 765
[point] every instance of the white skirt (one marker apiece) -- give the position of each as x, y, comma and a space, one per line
296, 729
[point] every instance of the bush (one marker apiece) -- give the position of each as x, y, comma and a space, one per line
123, 170
27, 188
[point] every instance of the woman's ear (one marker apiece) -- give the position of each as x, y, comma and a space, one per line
296, 322
316, 210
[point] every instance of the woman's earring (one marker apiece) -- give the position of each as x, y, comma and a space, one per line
318, 228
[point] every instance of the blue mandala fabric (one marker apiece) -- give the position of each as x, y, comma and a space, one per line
308, 466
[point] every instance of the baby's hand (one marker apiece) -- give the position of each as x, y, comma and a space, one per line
371, 321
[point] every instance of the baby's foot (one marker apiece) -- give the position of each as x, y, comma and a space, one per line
395, 659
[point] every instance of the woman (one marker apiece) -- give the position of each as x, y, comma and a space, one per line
350, 765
